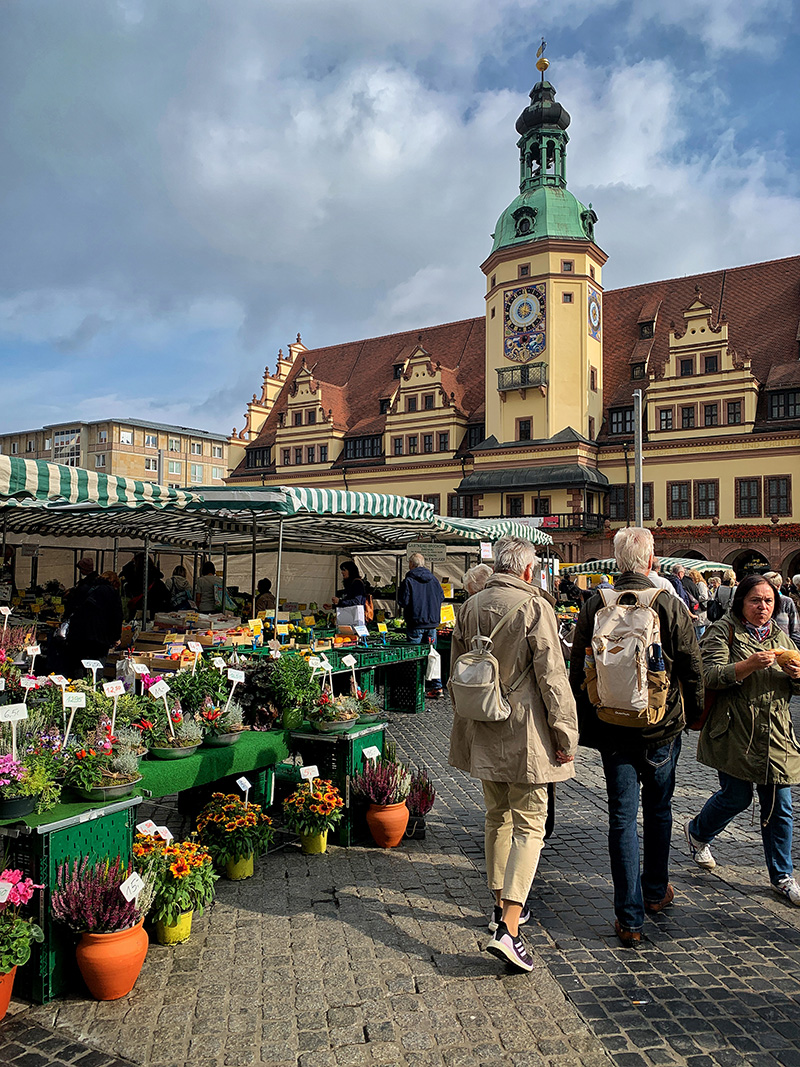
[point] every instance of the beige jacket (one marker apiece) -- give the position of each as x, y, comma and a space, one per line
543, 716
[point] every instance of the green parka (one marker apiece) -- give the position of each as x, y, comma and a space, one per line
749, 732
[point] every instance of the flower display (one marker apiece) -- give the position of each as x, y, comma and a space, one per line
231, 829
422, 793
12, 776
220, 720
382, 781
16, 934
314, 810
327, 708
183, 872
87, 897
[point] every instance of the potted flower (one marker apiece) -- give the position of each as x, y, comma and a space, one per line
184, 740
223, 726
16, 933
334, 715
193, 690
385, 783
18, 789
311, 811
113, 943
234, 832
98, 775
419, 802
369, 708
184, 877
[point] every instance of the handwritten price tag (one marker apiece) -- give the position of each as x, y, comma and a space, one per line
140, 668
132, 887
312, 771
28, 683
194, 646
256, 626
92, 664
5, 889
314, 663
74, 700
218, 662
33, 650
234, 675
243, 784
2, 685
164, 833
147, 828
59, 679
114, 689
282, 628
13, 712
382, 628
5, 610
373, 752
362, 631
160, 689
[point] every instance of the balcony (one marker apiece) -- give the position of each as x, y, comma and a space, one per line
582, 521
526, 376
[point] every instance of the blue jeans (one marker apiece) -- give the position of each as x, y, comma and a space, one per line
732, 798
626, 771
421, 635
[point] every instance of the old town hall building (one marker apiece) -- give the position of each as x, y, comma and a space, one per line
528, 410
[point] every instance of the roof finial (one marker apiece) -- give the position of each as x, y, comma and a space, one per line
541, 63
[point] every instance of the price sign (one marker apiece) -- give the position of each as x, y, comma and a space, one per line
92, 664
309, 620
256, 626
5, 610
74, 700
33, 650
349, 661
314, 663
219, 663
486, 551
373, 752
28, 683
5, 889
114, 689
282, 628
362, 631
13, 712
59, 679
235, 676
310, 772
160, 689
243, 784
382, 628
2, 685
194, 646
147, 828
140, 668
132, 887
164, 833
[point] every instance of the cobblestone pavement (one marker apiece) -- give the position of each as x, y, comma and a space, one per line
365, 957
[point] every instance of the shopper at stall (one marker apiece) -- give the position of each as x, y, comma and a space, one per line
266, 598
420, 598
207, 588
353, 591
180, 591
88, 577
93, 625
132, 575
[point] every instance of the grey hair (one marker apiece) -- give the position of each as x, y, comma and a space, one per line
512, 555
633, 547
416, 559
774, 577
796, 581
476, 578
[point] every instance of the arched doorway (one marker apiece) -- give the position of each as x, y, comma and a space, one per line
748, 561
791, 565
692, 553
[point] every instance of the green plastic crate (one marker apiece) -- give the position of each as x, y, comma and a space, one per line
404, 686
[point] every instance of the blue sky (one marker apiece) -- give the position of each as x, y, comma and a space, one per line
185, 186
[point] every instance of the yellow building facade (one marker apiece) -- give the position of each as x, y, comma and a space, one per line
528, 410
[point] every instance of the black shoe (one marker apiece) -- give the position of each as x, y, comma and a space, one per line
497, 918
509, 948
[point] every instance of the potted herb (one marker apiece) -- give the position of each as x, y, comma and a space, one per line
87, 898
370, 709
184, 740
385, 783
16, 934
234, 833
311, 811
184, 877
223, 726
98, 775
334, 714
419, 802
193, 690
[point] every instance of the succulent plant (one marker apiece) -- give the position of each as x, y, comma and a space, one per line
126, 763
190, 732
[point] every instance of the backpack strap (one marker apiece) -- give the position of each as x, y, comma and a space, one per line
645, 597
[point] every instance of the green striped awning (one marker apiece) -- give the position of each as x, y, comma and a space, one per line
492, 529
34, 482
609, 566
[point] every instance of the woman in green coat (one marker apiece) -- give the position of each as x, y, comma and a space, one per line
748, 737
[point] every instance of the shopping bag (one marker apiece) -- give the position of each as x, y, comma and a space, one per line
433, 670
350, 616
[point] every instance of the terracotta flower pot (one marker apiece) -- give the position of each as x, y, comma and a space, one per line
174, 933
387, 823
314, 844
6, 985
110, 963
237, 870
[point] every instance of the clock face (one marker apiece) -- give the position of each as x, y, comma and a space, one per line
525, 310
594, 313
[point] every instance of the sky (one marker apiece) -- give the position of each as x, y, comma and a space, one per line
186, 185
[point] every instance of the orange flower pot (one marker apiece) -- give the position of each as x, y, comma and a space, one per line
110, 963
6, 985
387, 823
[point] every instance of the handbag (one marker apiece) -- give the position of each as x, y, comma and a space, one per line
710, 698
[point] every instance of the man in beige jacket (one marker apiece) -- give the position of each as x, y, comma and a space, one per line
516, 758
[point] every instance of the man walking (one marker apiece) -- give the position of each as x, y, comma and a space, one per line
421, 597
640, 758
516, 758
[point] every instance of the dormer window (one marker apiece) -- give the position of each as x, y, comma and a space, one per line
428, 401
411, 403
524, 221
398, 370
384, 407
646, 330
637, 370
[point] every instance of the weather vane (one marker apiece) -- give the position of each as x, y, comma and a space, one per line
541, 63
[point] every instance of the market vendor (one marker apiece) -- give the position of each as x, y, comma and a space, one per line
266, 598
353, 591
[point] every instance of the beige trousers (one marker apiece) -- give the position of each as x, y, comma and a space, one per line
515, 820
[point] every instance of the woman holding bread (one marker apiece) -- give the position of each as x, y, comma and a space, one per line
748, 736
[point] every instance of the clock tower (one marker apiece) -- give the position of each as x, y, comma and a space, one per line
544, 306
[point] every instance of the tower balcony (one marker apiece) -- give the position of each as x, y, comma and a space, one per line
524, 376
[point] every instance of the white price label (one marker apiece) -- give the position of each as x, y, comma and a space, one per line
160, 689
5, 610
349, 661
362, 631
13, 712
194, 646
218, 662
28, 683
326, 663
5, 889
165, 833
373, 752
235, 676
92, 664
147, 828
243, 784
59, 679
2, 685
74, 700
132, 887
114, 689
33, 650
140, 668
314, 663
309, 772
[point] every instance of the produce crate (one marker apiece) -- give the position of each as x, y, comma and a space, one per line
339, 757
52, 970
404, 686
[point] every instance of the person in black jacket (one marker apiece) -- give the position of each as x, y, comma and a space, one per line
421, 597
640, 758
93, 626
353, 591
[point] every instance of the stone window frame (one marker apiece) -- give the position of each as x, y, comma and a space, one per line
567, 297
669, 413
775, 478
427, 444
398, 451
683, 362
688, 501
715, 357
412, 444
698, 510
411, 405
443, 440
735, 400
428, 401
567, 266
519, 427
513, 502
737, 498
287, 457
298, 456
593, 378
706, 408
323, 453
686, 409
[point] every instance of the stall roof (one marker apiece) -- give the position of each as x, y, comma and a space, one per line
314, 520
609, 566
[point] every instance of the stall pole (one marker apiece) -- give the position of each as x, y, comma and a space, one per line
116, 556
398, 577
145, 580
196, 572
224, 573
253, 564
5, 537
278, 577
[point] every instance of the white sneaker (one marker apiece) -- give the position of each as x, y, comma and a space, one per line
699, 851
788, 887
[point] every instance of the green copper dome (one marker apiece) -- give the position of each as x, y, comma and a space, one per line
544, 207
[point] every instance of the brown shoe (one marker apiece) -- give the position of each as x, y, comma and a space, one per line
653, 907
629, 938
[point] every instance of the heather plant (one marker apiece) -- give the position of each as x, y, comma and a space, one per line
422, 793
382, 781
87, 897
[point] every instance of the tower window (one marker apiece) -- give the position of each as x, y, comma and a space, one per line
524, 430
591, 428
637, 370
491, 316
524, 271
621, 420
591, 272
567, 266
492, 282
593, 379
566, 298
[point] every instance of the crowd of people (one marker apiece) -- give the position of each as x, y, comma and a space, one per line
731, 676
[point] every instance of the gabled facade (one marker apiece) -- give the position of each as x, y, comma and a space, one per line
528, 409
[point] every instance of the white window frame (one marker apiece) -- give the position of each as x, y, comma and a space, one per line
151, 464
151, 440
173, 466
126, 437
174, 444
216, 452
102, 437
217, 472
196, 448
99, 459
197, 473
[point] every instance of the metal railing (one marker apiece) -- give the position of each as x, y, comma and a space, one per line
526, 376
568, 520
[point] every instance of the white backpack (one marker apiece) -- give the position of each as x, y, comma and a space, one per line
474, 684
625, 675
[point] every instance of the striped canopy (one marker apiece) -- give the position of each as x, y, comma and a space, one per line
609, 566
36, 483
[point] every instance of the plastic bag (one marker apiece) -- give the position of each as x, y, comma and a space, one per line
433, 670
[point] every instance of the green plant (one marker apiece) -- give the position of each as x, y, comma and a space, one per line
382, 781
421, 794
334, 709
231, 829
192, 690
183, 873
313, 810
16, 934
218, 721
188, 733
41, 782
86, 768
273, 686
